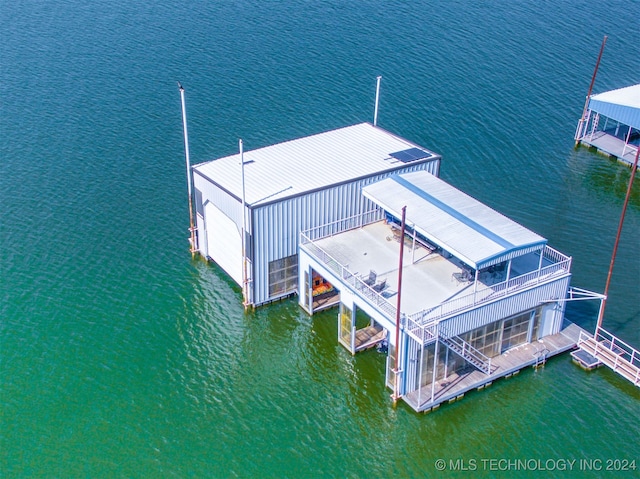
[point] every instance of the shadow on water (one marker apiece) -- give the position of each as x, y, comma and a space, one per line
604, 174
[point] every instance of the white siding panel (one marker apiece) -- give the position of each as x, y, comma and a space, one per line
229, 205
224, 242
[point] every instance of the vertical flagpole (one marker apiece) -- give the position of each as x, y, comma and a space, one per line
192, 229
244, 229
375, 111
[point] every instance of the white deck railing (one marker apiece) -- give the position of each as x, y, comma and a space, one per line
342, 271
560, 264
605, 340
340, 226
422, 325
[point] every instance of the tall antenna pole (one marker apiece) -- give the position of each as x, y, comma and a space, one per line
375, 110
581, 123
192, 229
615, 245
244, 229
396, 391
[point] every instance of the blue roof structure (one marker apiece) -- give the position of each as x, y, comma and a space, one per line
622, 105
453, 220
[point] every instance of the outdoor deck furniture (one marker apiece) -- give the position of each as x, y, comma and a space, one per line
462, 277
371, 280
380, 286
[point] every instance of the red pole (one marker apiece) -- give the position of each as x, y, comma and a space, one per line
615, 245
593, 80
396, 393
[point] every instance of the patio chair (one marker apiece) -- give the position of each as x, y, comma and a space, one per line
371, 280
462, 277
380, 286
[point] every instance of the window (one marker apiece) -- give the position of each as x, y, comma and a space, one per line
485, 339
198, 201
515, 331
283, 275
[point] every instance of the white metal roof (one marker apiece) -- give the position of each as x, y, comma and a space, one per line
310, 163
622, 105
453, 220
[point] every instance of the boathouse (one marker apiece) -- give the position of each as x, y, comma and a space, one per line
278, 191
612, 123
481, 295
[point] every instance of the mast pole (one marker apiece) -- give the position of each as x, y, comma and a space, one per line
586, 103
375, 110
244, 229
615, 245
396, 392
192, 229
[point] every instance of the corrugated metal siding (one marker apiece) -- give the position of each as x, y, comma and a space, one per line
229, 205
506, 307
277, 225
622, 105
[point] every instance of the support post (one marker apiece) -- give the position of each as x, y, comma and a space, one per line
245, 293
581, 124
375, 110
615, 245
192, 229
396, 391
433, 372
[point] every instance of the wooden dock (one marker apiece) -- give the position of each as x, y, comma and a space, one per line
508, 364
326, 300
369, 337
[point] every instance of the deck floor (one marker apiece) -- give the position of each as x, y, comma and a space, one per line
506, 364
326, 300
427, 276
602, 351
611, 145
368, 337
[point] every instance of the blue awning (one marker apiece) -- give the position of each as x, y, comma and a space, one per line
453, 220
622, 105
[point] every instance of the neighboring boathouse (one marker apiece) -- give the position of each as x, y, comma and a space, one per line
612, 123
482, 296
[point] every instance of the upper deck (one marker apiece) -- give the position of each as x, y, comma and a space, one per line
435, 285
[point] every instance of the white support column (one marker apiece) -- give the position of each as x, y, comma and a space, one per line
446, 363
420, 374
375, 111
540, 262
435, 370
626, 142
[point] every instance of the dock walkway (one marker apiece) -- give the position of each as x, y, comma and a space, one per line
506, 365
611, 146
605, 348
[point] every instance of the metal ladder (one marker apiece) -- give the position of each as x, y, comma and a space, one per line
541, 357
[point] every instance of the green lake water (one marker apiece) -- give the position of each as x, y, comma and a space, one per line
120, 356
